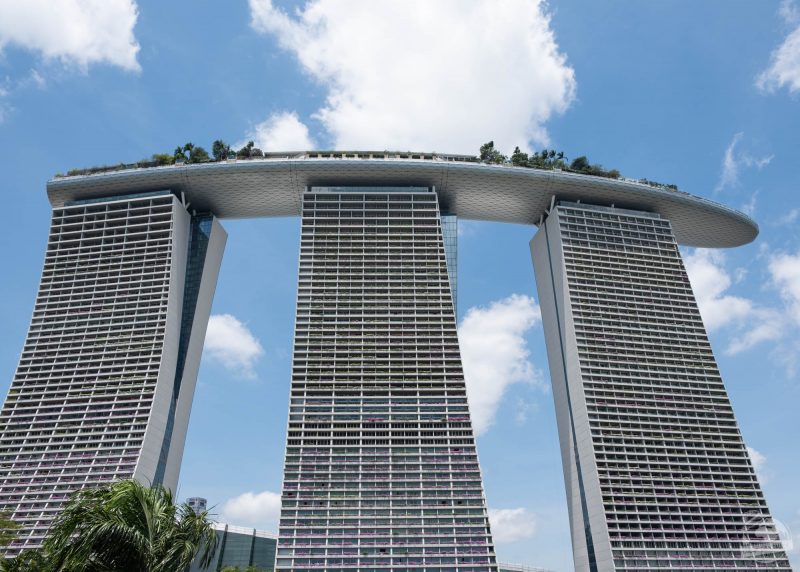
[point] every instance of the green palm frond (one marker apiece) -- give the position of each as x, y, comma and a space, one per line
128, 526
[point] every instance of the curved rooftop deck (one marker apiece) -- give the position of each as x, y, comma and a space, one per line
272, 187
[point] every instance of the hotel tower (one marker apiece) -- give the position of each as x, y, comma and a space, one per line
381, 470
656, 471
106, 378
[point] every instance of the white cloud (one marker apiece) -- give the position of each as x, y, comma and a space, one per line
750, 323
749, 208
495, 353
730, 169
230, 342
763, 325
76, 32
258, 510
511, 524
280, 132
784, 67
789, 12
439, 76
733, 161
759, 464
523, 410
710, 280
10, 88
785, 272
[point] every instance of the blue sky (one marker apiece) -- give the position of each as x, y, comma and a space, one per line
706, 98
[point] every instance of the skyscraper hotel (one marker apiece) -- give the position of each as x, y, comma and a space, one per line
381, 468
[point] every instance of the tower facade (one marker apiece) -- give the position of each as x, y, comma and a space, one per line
656, 471
107, 374
381, 468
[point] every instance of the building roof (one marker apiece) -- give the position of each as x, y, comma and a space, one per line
272, 187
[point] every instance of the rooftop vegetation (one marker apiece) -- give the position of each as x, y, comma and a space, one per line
548, 159
557, 161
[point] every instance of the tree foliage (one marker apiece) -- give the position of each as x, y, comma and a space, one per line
163, 159
31, 560
198, 155
244, 152
488, 154
581, 165
8, 529
126, 526
518, 158
551, 159
220, 150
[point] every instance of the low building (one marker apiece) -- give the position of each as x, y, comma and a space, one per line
241, 547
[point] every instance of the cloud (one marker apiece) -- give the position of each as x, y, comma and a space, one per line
784, 66
749, 208
759, 464
229, 342
785, 272
764, 325
258, 510
73, 32
437, 76
750, 323
523, 409
467, 228
733, 161
511, 524
710, 280
9, 88
280, 132
495, 353
789, 12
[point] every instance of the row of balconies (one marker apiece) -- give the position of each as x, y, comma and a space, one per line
104, 276
117, 215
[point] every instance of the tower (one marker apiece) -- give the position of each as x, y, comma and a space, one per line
107, 374
381, 468
656, 471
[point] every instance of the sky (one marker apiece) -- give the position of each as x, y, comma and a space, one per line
707, 98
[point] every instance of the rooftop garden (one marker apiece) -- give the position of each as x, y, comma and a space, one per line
547, 159
551, 159
183, 154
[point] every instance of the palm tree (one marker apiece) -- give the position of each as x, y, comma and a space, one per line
128, 527
8, 529
30, 560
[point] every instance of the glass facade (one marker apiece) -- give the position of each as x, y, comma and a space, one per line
450, 238
381, 468
240, 547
